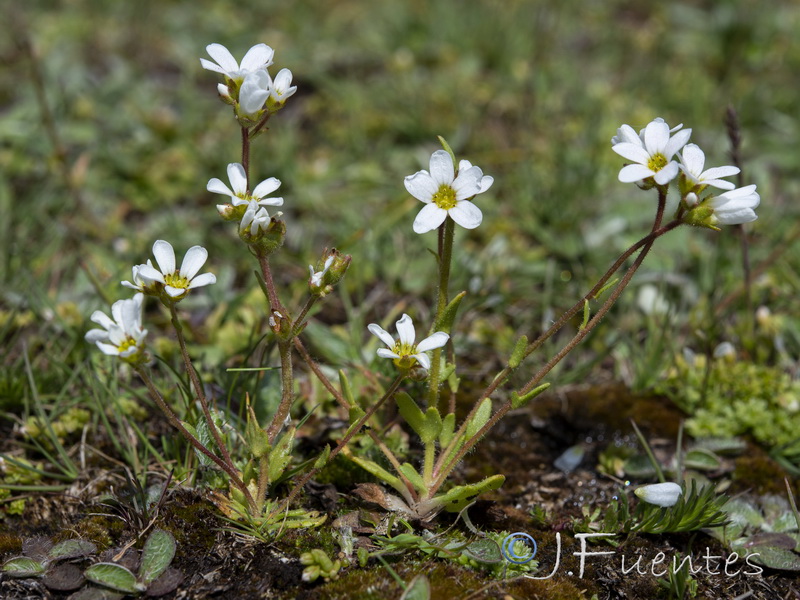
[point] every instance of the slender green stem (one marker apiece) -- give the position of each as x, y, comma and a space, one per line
394, 462
298, 322
503, 375
198, 386
246, 155
263, 482
176, 423
342, 443
269, 282
445, 469
427, 465
320, 375
287, 390
446, 236
255, 130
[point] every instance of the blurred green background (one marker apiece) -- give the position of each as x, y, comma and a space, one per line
531, 91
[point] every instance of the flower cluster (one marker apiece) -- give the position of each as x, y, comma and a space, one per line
122, 334
652, 153
248, 86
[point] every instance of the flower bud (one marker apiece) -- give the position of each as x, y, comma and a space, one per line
265, 240
660, 494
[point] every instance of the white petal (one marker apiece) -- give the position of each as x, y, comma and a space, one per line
632, 152
430, 217
677, 142
660, 494
736, 217
466, 214
266, 187
108, 349
437, 340
656, 136
207, 64
382, 334
423, 360
632, 173
201, 280
150, 272
223, 57
442, 169
259, 56
486, 182
271, 202
216, 186
405, 330
693, 158
251, 98
717, 172
101, 319
173, 291
463, 165
165, 257
237, 178
421, 185
194, 260
96, 335
386, 353
626, 134
667, 174
468, 183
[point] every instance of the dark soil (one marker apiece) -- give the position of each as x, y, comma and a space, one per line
219, 564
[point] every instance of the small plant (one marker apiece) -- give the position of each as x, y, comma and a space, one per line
319, 565
43, 559
154, 575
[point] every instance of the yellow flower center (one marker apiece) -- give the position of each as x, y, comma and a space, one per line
176, 280
445, 198
406, 360
657, 162
126, 344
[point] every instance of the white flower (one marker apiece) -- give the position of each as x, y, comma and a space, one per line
254, 92
238, 194
258, 57
660, 494
255, 217
281, 87
316, 277
734, 207
177, 283
140, 283
121, 335
404, 351
445, 194
692, 161
651, 151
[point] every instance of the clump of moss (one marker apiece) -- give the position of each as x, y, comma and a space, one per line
732, 398
756, 471
66, 424
10, 543
98, 530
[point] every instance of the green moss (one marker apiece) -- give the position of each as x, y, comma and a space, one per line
730, 399
192, 527
757, 472
103, 532
10, 543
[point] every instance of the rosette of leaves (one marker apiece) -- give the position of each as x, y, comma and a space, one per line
153, 577
696, 509
43, 559
765, 526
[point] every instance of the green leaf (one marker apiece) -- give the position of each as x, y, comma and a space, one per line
347, 390
377, 470
281, 455
448, 149
410, 412
458, 497
484, 550
255, 437
480, 419
702, 460
418, 588
22, 566
414, 477
448, 428
355, 413
518, 401
71, 549
518, 353
158, 552
448, 317
114, 576
432, 426
322, 458
775, 558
